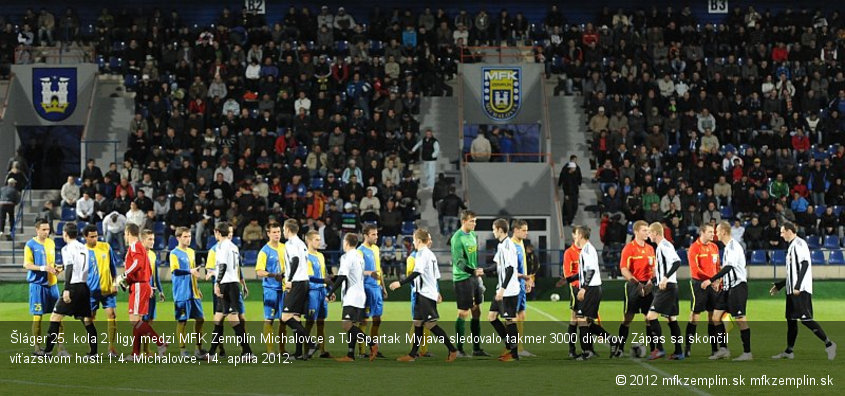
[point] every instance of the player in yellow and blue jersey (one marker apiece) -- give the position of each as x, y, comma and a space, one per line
526, 282
39, 257
187, 298
318, 301
373, 286
102, 270
270, 266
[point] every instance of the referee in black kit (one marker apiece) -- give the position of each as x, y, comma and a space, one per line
76, 297
799, 293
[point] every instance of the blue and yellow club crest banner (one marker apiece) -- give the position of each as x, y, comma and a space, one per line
54, 92
501, 88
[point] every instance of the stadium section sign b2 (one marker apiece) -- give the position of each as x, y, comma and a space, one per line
54, 92
501, 92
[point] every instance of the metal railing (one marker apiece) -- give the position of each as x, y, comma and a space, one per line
516, 54
27, 192
6, 97
512, 157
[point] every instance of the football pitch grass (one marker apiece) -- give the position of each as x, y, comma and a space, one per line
552, 372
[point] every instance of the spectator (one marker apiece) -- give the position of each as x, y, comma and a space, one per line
480, 150
135, 216
85, 208
70, 193
253, 235
429, 153
448, 210
392, 258
9, 198
113, 226
370, 206
570, 182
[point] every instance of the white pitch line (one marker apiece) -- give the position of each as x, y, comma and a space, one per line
139, 390
641, 363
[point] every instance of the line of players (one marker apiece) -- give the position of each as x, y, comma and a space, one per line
304, 289
718, 286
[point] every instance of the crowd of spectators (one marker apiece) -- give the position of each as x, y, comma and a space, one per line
690, 124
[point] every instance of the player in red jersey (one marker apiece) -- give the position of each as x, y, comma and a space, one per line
137, 275
637, 266
704, 262
570, 275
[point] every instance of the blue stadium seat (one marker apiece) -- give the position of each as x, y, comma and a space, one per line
59, 257
317, 183
682, 253
80, 225
837, 257
68, 214
237, 241
758, 257
159, 227
250, 258
779, 257
727, 212
831, 242
100, 230
60, 243
210, 241
60, 226
820, 210
837, 210
172, 243
630, 228
408, 227
813, 242
159, 243
818, 257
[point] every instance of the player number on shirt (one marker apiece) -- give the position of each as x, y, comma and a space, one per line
256, 6
717, 6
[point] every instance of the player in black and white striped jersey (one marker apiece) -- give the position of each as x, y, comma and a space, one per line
227, 290
351, 275
296, 286
799, 293
589, 294
425, 277
665, 300
507, 290
734, 294
75, 300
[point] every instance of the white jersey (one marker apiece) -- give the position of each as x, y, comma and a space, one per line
294, 247
228, 254
734, 256
588, 261
425, 264
798, 252
352, 266
667, 256
505, 257
76, 254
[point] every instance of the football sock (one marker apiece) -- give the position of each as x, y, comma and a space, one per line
817, 330
596, 329
584, 338
513, 337
215, 337
424, 341
52, 335
460, 329
711, 332
500, 330
623, 336
321, 333
690, 334
112, 325
520, 326
675, 329
353, 339
374, 328
475, 332
418, 333
198, 330
92, 337
268, 335
297, 328
36, 325
791, 334
656, 333
440, 333
241, 334
721, 335
573, 336
283, 334
180, 332
746, 340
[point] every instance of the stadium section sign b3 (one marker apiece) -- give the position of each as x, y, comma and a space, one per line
54, 92
501, 93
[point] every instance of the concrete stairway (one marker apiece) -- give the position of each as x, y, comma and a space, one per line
109, 122
11, 262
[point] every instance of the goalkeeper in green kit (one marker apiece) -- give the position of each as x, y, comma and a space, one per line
469, 289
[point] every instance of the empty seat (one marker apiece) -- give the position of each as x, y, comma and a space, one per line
779, 257
250, 258
408, 227
159, 243
727, 212
813, 242
831, 242
837, 257
758, 257
818, 257
68, 214
237, 241
159, 227
172, 243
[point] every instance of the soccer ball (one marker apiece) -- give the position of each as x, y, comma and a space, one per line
638, 351
555, 297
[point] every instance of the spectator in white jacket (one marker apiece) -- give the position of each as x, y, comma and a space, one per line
390, 172
70, 193
84, 207
135, 215
370, 206
113, 225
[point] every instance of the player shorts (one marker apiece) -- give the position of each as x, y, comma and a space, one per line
241, 309
468, 293
188, 309
273, 301
318, 307
506, 308
665, 302
522, 302
702, 300
42, 299
375, 301
229, 302
353, 314
589, 307
735, 300
98, 299
425, 309
296, 299
80, 302
573, 301
139, 298
634, 302
151, 311
799, 307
